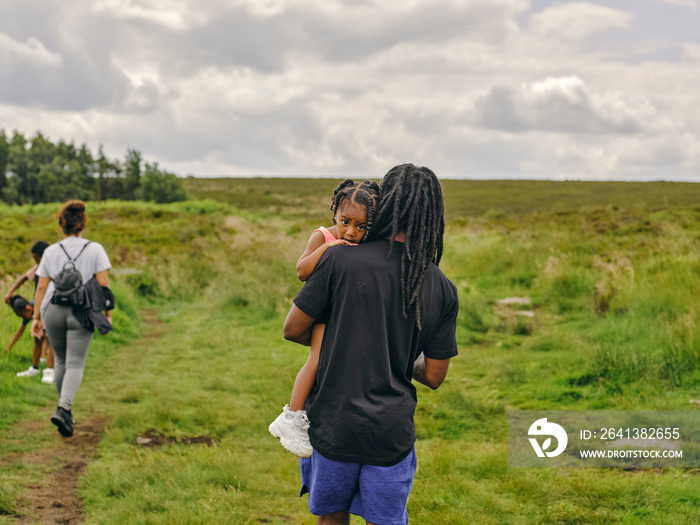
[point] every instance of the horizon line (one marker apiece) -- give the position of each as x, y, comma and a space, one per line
474, 179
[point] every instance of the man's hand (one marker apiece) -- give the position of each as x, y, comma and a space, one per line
7, 298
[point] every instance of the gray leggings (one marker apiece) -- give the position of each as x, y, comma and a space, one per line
70, 342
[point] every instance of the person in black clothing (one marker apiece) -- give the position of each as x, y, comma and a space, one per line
25, 309
391, 318
42, 349
30, 275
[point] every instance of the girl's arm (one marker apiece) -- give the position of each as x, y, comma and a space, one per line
37, 323
103, 279
15, 339
309, 259
19, 282
314, 250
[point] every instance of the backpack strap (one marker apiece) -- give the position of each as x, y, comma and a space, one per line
79, 253
81, 250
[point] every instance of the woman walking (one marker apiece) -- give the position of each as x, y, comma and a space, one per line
69, 337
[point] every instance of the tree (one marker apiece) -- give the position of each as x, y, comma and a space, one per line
160, 186
40, 153
4, 157
132, 174
109, 184
39, 170
18, 166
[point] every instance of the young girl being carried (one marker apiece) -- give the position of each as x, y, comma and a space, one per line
353, 208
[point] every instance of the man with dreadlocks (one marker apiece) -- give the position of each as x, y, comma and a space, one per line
390, 318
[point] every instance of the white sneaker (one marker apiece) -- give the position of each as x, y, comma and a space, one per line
29, 372
292, 429
47, 377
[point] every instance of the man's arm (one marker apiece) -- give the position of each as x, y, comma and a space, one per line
430, 372
298, 326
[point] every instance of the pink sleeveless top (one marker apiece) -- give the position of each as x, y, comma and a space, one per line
327, 235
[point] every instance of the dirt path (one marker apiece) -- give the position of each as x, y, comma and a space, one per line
58, 462
54, 498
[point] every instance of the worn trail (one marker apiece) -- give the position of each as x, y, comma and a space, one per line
51, 495
50, 471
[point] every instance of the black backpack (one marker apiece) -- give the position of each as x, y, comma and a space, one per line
70, 290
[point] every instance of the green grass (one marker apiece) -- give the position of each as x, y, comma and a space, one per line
463, 198
612, 273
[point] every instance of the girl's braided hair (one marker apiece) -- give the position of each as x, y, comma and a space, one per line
365, 193
411, 202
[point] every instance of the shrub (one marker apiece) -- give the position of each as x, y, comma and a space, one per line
563, 284
144, 284
161, 186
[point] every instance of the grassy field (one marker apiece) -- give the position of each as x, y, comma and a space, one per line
611, 270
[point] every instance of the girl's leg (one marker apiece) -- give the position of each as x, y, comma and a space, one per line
49, 353
55, 326
77, 342
48, 377
307, 375
36, 353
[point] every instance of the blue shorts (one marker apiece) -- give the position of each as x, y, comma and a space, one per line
377, 494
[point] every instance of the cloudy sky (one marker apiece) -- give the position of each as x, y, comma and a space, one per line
471, 88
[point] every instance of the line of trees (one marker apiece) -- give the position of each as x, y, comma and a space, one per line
37, 170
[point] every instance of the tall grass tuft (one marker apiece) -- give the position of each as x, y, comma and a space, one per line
563, 285
8, 499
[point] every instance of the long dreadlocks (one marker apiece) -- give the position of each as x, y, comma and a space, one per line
411, 203
365, 193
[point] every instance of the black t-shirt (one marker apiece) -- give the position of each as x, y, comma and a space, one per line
362, 404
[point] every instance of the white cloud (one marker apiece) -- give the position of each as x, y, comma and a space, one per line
691, 52
562, 104
572, 160
176, 15
576, 20
266, 8
645, 157
473, 88
32, 51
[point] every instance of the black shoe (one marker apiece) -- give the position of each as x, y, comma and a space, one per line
63, 419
